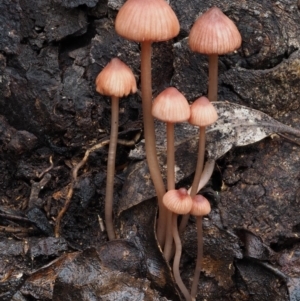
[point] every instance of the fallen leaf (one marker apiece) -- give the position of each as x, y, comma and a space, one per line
239, 126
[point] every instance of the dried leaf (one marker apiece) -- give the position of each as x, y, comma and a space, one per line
238, 126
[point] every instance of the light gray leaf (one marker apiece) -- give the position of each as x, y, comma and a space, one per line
239, 126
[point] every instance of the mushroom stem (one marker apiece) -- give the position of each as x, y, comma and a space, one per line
197, 176
213, 77
200, 161
199, 258
150, 141
170, 156
206, 174
111, 167
176, 261
171, 185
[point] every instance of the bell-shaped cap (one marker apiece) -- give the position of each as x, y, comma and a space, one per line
214, 33
171, 106
116, 79
200, 206
147, 20
178, 201
203, 113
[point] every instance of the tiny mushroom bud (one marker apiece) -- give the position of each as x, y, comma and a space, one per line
178, 201
200, 206
115, 80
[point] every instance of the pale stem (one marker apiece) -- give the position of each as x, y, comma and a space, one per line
199, 258
197, 176
208, 169
200, 161
177, 257
150, 141
111, 167
213, 78
171, 186
170, 156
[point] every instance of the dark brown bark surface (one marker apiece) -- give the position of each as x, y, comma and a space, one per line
50, 114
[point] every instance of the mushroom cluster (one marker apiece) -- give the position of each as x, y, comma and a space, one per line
212, 34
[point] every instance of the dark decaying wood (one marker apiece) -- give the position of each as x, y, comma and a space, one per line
50, 114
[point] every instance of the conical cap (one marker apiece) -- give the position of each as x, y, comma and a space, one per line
214, 33
116, 79
171, 106
147, 20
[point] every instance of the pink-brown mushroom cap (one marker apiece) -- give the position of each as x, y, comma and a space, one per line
203, 113
214, 33
171, 106
116, 79
200, 206
151, 20
178, 201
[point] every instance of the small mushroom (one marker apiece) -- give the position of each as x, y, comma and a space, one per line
146, 22
203, 113
179, 202
170, 106
115, 80
214, 33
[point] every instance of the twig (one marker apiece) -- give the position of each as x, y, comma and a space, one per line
14, 217
47, 169
10, 229
73, 182
131, 142
291, 140
74, 173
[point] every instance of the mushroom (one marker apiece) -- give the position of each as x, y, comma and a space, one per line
200, 207
146, 22
170, 106
115, 80
179, 202
203, 113
214, 33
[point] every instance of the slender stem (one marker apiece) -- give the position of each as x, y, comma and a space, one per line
176, 261
199, 258
198, 173
206, 174
213, 78
170, 156
197, 177
200, 161
169, 237
171, 186
111, 167
150, 141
